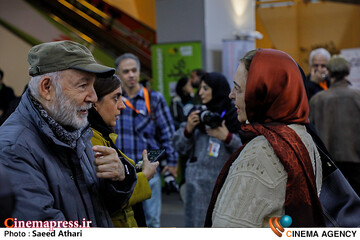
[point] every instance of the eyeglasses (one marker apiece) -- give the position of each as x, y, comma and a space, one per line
319, 65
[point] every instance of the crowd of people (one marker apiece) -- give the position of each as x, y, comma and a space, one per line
75, 145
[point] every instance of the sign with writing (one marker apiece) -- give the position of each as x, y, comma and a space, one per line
170, 62
353, 56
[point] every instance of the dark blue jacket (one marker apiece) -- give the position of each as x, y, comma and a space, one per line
51, 180
313, 88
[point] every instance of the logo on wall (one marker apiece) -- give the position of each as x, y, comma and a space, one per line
278, 224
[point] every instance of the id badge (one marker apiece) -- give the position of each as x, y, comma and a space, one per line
214, 148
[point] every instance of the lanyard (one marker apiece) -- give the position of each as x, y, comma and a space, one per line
147, 102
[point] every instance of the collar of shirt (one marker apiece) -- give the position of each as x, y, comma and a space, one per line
139, 94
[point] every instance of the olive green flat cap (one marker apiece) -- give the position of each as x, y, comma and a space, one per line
57, 56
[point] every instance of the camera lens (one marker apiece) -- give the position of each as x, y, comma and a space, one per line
211, 119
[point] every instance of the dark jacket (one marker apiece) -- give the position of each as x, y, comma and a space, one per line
6, 196
313, 88
335, 114
51, 180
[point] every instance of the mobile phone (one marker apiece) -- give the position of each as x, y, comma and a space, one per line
155, 154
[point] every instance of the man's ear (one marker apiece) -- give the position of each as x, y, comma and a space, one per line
47, 88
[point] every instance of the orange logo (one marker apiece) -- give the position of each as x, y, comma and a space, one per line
280, 223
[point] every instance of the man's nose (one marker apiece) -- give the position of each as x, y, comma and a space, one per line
91, 96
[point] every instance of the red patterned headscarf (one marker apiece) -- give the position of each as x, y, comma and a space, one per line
275, 96
274, 89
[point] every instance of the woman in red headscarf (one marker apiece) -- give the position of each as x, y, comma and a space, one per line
279, 171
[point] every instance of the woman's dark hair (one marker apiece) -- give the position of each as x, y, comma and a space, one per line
104, 86
247, 59
185, 97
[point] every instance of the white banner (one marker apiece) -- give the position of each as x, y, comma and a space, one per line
177, 233
353, 56
232, 52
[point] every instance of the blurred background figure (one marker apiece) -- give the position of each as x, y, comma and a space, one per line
102, 118
208, 137
180, 108
145, 123
6, 96
318, 79
182, 103
12, 106
7, 197
335, 114
195, 78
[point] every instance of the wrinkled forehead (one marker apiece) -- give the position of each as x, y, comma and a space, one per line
241, 75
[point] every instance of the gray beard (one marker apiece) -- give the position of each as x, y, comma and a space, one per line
65, 112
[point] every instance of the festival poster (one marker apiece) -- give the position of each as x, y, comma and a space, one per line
170, 62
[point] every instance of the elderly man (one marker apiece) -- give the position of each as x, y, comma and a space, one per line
318, 79
46, 149
335, 114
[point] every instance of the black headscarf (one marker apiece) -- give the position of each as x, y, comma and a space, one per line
220, 100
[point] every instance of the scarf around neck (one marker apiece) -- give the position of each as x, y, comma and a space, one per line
68, 137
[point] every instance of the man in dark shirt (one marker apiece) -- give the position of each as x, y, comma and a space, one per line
6, 96
318, 79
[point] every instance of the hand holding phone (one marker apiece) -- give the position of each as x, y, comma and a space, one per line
155, 154
148, 167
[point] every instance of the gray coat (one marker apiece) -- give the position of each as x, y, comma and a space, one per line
335, 114
51, 180
201, 171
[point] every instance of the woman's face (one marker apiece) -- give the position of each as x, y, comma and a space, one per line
238, 92
205, 92
110, 106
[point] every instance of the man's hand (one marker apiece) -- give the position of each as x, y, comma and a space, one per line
172, 170
108, 164
318, 76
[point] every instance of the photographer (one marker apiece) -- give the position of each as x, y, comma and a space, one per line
208, 137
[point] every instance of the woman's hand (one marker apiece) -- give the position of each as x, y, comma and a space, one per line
220, 132
148, 168
192, 121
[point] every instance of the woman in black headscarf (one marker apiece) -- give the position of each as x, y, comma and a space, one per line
208, 147
182, 103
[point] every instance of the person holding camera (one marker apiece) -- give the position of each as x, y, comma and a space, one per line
209, 137
102, 118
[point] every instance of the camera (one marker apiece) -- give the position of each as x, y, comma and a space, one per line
211, 119
170, 184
